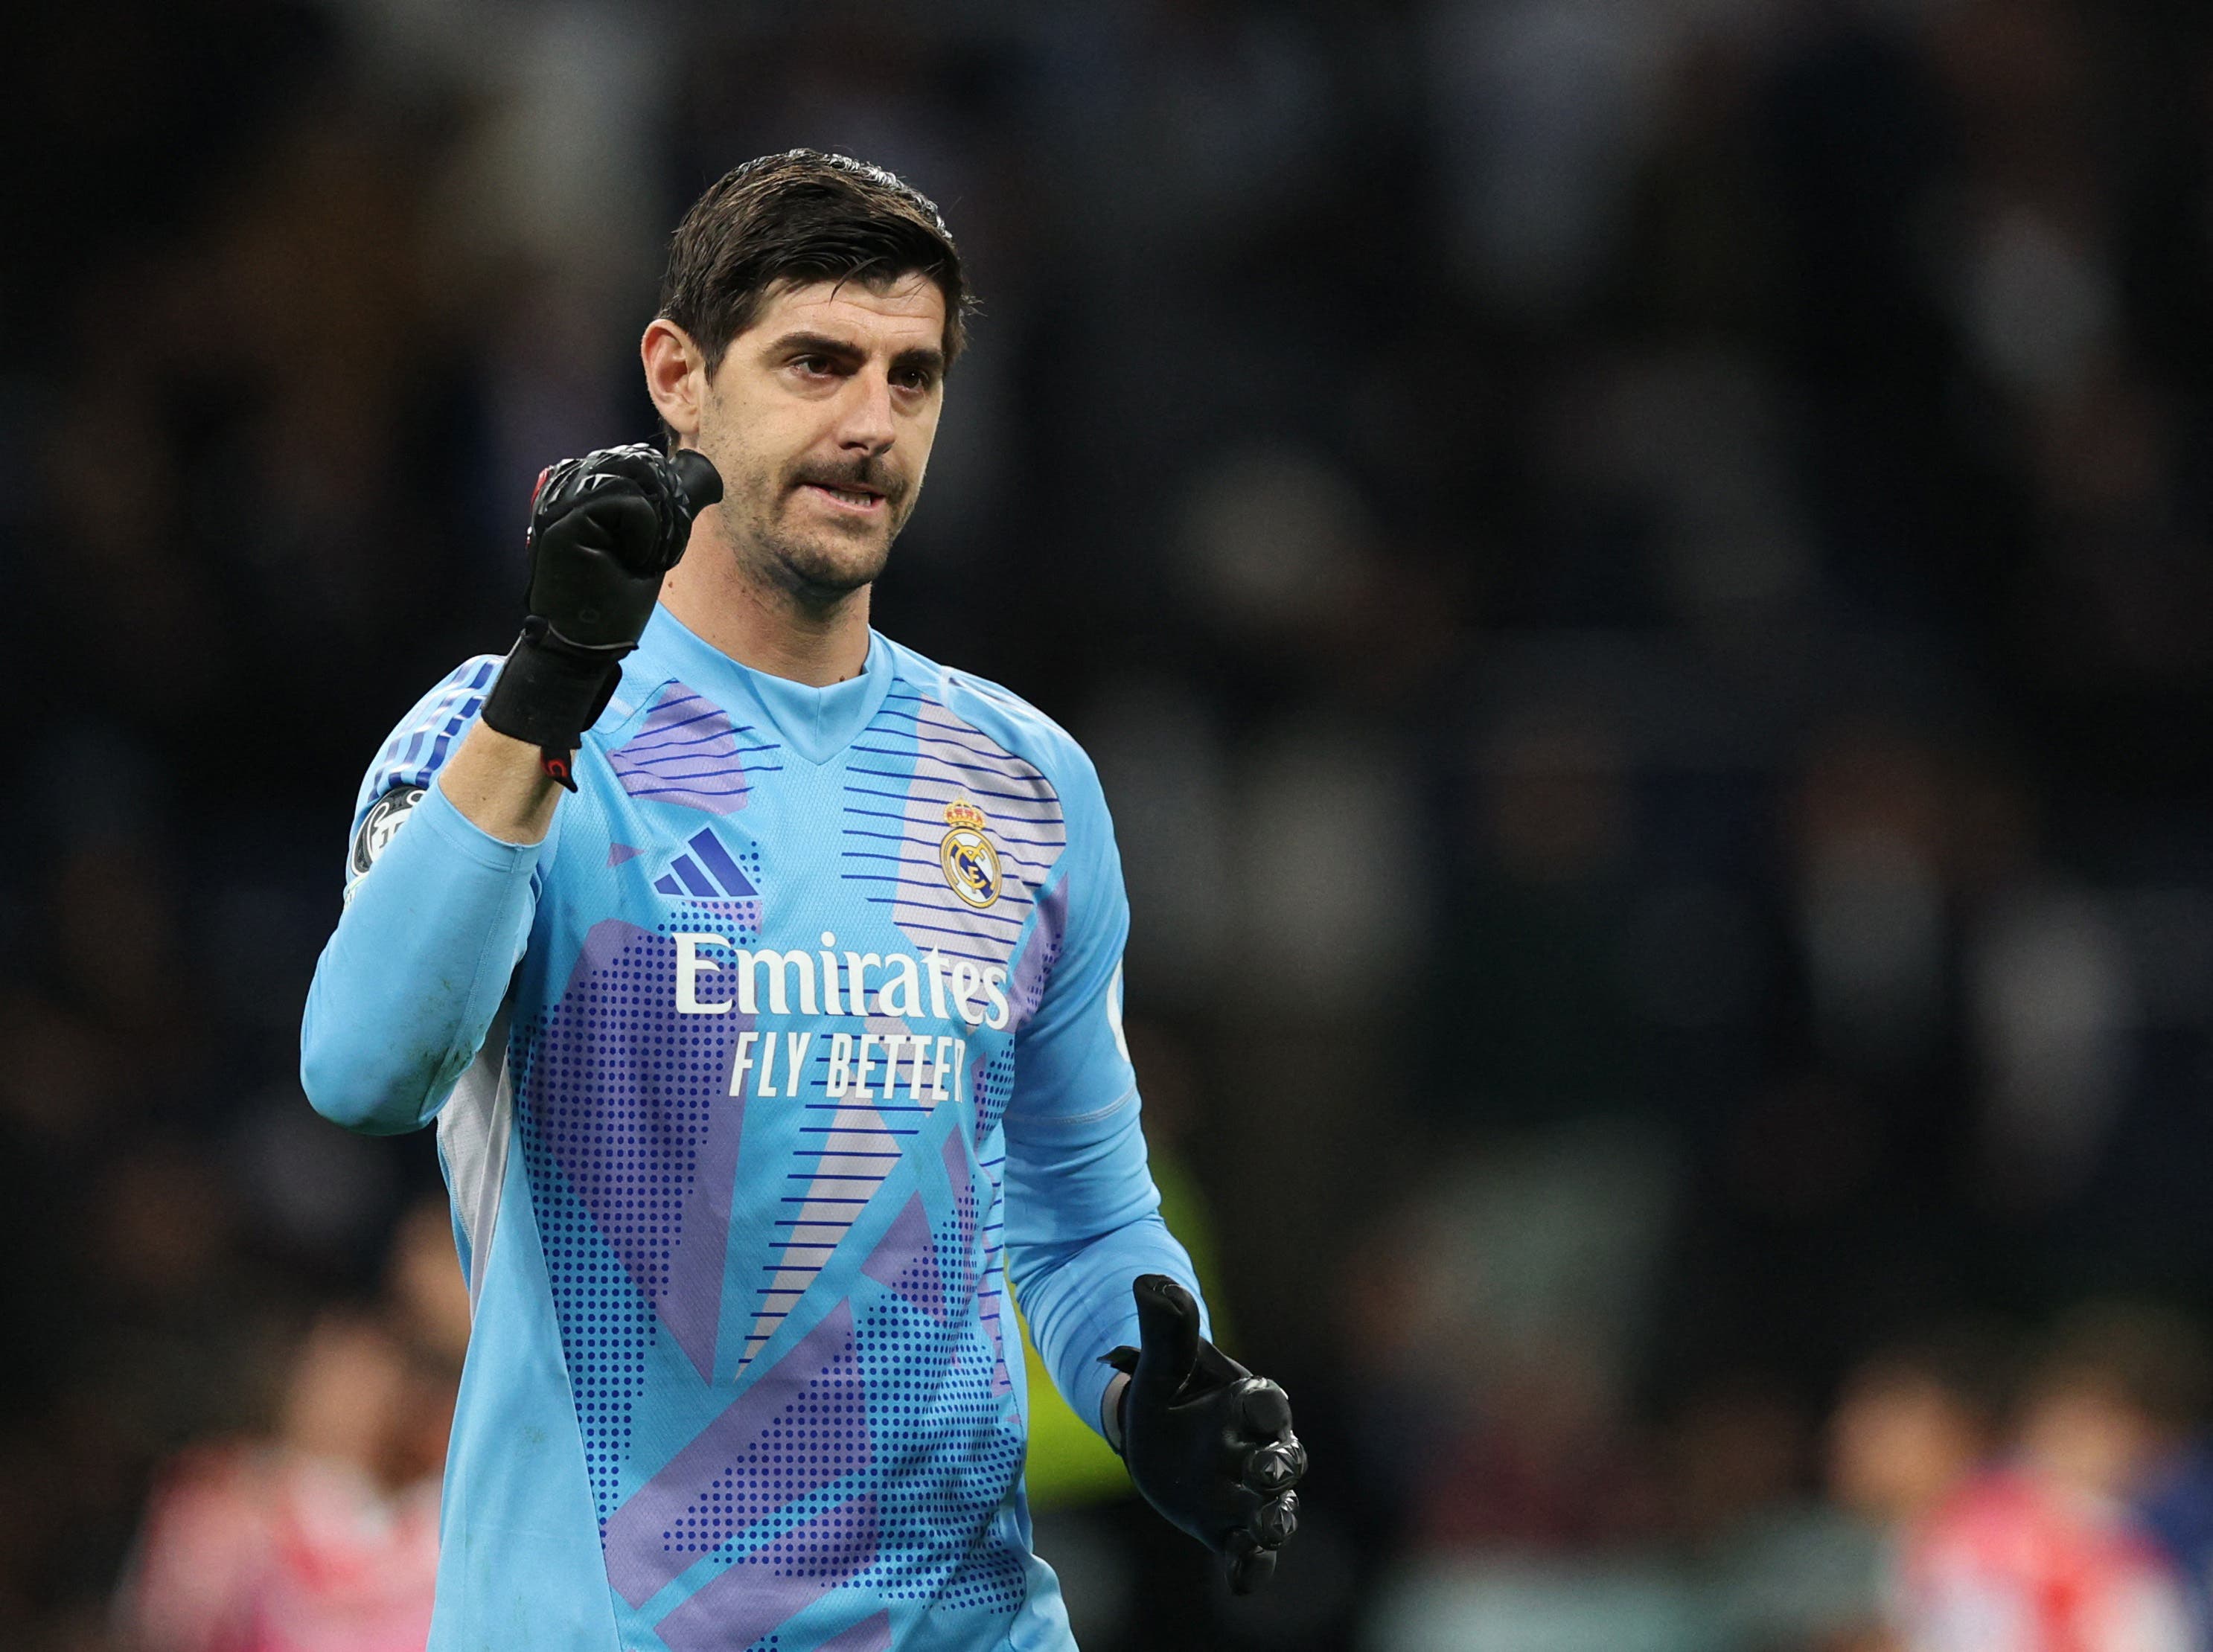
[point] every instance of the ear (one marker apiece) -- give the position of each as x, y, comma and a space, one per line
675, 375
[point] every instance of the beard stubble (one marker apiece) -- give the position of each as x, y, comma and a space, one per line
819, 561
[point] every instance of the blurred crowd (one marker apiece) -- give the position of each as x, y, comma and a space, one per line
1638, 579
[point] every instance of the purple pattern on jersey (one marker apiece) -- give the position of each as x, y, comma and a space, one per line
992, 1576
950, 1450
963, 1179
1002, 1381
635, 1150
993, 1234
830, 1483
870, 1635
800, 1425
687, 752
903, 1398
979, 1247
991, 1081
692, 1304
631, 1147
978, 1287
769, 1587
905, 1260
916, 758
843, 1154
1033, 969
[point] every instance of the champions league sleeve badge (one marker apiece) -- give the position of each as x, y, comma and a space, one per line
381, 824
971, 863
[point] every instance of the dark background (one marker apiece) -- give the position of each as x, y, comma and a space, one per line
1637, 576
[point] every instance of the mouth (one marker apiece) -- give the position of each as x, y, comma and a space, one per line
857, 499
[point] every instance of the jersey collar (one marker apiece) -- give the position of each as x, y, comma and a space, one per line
815, 722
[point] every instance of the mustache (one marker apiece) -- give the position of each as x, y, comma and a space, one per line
871, 473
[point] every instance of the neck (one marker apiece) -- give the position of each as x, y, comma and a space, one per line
767, 627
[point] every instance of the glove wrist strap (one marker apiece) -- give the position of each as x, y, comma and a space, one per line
1114, 1410
1114, 1402
550, 692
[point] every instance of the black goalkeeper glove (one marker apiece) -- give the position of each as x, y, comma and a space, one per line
604, 531
1208, 1443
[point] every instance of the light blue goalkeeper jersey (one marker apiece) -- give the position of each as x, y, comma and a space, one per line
804, 1020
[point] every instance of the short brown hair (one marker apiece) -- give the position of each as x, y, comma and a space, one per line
795, 218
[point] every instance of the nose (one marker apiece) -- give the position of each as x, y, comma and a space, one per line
865, 425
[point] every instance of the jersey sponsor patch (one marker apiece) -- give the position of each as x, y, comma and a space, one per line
381, 824
971, 863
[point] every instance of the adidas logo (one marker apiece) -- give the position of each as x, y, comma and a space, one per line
707, 871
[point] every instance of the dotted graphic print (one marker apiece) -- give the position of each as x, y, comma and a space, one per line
963, 1266
905, 1260
922, 1283
748, 1603
842, 1155
904, 1392
616, 1094
1040, 954
951, 1450
900, 1394
826, 1548
736, 921
821, 1434
991, 1084
991, 1575
992, 1291
797, 1428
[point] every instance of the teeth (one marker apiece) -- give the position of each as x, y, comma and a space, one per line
849, 497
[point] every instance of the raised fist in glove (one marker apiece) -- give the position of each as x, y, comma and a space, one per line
605, 529
1208, 1443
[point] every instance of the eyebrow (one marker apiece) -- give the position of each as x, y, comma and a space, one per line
925, 357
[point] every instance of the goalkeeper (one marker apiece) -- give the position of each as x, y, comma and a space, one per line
764, 980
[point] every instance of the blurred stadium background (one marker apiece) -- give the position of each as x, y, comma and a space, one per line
1638, 577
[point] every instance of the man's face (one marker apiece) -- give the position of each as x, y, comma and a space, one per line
821, 418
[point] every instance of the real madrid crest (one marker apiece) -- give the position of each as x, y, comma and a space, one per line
971, 864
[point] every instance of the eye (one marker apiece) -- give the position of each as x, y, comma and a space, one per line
917, 380
813, 365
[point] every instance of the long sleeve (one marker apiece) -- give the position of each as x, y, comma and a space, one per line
436, 916
1082, 1213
